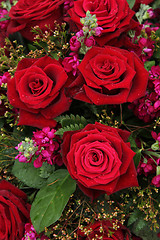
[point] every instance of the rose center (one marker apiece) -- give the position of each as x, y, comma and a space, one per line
94, 157
106, 67
36, 86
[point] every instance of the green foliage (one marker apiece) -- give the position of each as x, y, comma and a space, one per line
137, 150
134, 217
141, 229
155, 4
70, 123
149, 64
46, 170
131, 3
51, 200
28, 174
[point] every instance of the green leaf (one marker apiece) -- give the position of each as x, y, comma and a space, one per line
28, 174
137, 157
46, 170
149, 64
51, 200
133, 217
72, 127
131, 3
31, 47
70, 123
67, 120
137, 150
156, 53
6, 17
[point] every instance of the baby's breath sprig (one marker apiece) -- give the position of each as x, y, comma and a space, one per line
51, 42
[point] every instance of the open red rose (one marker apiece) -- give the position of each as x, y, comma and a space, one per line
26, 14
104, 230
37, 89
109, 76
14, 212
114, 16
100, 159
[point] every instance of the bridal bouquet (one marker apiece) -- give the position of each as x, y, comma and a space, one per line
80, 119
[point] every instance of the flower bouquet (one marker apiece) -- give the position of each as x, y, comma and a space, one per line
80, 119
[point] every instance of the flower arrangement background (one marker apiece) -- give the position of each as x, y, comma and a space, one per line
80, 119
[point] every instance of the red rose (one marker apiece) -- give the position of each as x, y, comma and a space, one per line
14, 212
104, 230
100, 159
38, 91
109, 76
26, 14
114, 16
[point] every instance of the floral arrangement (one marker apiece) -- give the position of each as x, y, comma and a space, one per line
80, 119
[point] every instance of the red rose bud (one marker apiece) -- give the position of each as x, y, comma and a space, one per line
100, 159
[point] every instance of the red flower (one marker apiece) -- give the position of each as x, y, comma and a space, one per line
114, 16
26, 14
109, 76
104, 230
38, 91
100, 159
14, 212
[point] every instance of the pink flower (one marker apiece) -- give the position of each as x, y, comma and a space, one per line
70, 64
3, 24
147, 46
74, 44
156, 181
4, 78
30, 233
80, 34
98, 31
147, 167
48, 147
155, 71
89, 42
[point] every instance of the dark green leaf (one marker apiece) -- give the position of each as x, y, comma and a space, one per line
133, 217
46, 170
131, 3
149, 64
51, 200
137, 157
28, 174
156, 53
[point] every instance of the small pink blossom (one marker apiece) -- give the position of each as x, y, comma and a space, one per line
80, 34
48, 147
148, 167
147, 46
89, 42
4, 78
156, 181
155, 72
30, 233
70, 64
3, 24
74, 44
98, 31
68, 4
